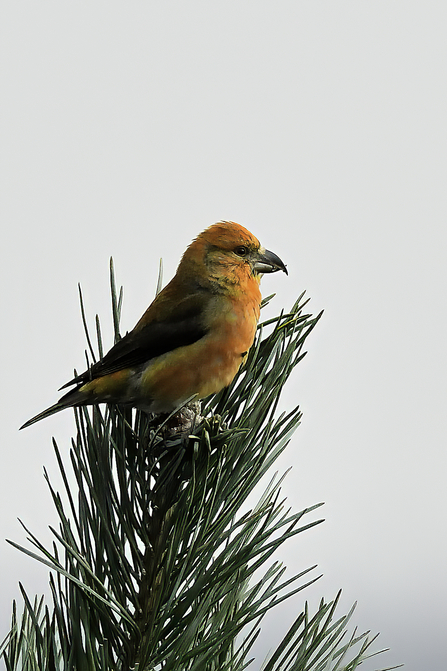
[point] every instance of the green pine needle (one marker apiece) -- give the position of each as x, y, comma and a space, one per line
157, 564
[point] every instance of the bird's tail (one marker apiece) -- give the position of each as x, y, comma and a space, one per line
72, 398
46, 413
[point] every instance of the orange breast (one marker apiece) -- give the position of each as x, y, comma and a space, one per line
207, 366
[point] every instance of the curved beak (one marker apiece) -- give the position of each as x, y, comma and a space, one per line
268, 262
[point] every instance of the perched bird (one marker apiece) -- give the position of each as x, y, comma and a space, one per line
193, 338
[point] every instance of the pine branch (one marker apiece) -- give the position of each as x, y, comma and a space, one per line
155, 564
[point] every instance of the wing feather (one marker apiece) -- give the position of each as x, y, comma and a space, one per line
184, 327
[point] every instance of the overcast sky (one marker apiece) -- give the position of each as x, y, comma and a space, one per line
126, 129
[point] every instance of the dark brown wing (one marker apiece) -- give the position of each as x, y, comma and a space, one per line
184, 327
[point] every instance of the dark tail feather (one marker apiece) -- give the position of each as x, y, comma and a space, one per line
72, 398
46, 413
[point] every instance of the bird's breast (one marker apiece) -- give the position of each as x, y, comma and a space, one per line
206, 366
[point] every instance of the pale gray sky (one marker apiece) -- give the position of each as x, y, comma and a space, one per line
127, 128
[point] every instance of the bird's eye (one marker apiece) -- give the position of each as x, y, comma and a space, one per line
241, 251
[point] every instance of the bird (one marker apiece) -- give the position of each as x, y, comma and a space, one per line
193, 338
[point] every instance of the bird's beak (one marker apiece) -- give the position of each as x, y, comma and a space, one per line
268, 262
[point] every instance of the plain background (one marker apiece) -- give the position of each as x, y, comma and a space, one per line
127, 128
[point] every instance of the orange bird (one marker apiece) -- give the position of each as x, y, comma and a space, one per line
193, 338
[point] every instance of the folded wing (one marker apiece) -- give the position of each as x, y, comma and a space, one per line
183, 327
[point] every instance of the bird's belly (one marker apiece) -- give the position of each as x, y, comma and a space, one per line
198, 370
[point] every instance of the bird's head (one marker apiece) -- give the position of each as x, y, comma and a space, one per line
230, 253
